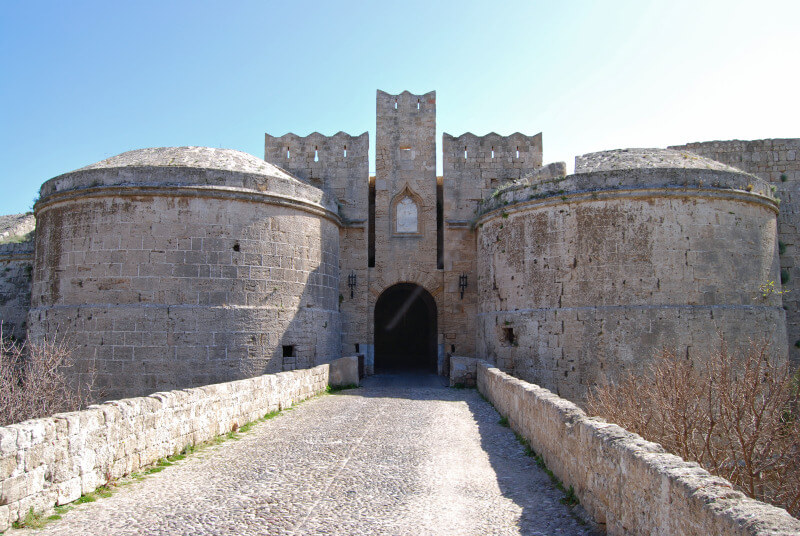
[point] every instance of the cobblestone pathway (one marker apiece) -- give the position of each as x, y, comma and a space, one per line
393, 457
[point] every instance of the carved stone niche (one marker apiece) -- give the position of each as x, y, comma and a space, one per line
405, 213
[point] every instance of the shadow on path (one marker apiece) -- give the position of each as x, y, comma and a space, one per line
519, 478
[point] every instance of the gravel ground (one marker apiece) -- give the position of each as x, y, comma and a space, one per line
400, 455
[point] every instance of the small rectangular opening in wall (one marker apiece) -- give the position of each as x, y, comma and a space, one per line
439, 223
288, 350
508, 337
371, 224
358, 347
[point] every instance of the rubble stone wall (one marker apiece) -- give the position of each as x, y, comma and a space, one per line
630, 485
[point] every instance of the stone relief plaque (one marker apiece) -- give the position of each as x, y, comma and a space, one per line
406, 217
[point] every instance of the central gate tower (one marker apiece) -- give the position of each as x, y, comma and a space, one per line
404, 230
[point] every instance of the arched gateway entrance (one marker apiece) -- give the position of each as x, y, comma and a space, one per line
405, 329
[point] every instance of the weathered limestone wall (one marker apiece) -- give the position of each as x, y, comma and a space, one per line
16, 266
338, 164
777, 162
52, 461
405, 248
589, 275
631, 485
474, 166
166, 277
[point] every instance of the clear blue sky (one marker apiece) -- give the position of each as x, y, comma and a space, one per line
81, 81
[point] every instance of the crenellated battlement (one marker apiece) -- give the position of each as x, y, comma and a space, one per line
406, 102
338, 163
476, 165
516, 151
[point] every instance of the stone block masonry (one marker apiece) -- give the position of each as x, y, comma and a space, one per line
586, 277
178, 267
16, 268
54, 460
631, 485
777, 161
337, 164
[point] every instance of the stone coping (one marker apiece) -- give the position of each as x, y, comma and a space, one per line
54, 460
631, 485
175, 167
643, 182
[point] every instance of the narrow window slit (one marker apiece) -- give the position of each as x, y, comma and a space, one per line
517, 152
288, 154
345, 151
395, 104
465, 152
492, 153
316, 155
417, 104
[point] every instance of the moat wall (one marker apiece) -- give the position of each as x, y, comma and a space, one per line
173, 268
588, 276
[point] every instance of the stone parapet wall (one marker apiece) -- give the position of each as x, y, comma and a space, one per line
778, 162
54, 460
631, 485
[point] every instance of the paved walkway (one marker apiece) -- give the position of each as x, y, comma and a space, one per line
398, 456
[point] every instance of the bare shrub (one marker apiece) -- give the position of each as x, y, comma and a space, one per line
736, 415
38, 379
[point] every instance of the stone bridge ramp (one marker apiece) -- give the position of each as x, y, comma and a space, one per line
400, 455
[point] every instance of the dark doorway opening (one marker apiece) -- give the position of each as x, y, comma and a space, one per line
405, 329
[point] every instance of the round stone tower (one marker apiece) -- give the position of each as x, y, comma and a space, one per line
176, 267
588, 275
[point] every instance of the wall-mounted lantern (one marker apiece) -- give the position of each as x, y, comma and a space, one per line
351, 282
462, 284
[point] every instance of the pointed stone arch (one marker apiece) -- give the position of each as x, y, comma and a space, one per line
406, 213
